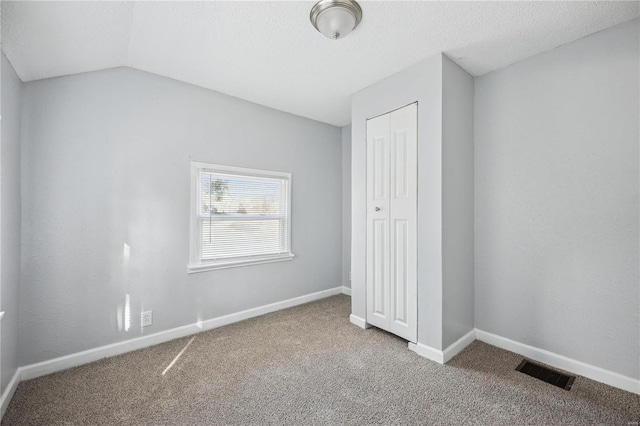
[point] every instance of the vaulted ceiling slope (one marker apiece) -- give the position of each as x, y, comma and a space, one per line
268, 52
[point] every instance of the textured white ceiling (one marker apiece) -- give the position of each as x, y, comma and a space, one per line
268, 52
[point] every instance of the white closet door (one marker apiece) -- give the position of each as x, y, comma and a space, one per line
392, 222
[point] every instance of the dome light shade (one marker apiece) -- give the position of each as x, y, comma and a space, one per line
335, 19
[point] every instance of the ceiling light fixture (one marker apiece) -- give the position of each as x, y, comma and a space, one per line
336, 18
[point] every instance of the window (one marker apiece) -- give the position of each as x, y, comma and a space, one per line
239, 217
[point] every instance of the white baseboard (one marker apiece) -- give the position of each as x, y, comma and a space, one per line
84, 357
452, 350
5, 399
427, 352
562, 362
346, 290
456, 347
552, 359
360, 322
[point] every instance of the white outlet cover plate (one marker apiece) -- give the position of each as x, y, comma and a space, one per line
147, 318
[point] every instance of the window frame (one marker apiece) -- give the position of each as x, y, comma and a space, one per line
196, 264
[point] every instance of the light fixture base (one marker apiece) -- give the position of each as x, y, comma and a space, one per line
331, 29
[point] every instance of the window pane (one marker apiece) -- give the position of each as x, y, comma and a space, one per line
238, 238
227, 194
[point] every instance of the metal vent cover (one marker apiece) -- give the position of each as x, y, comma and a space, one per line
546, 374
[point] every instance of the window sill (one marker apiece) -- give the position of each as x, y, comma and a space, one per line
204, 267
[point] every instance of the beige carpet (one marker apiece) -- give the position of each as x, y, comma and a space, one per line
309, 365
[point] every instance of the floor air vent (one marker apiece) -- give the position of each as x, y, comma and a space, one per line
546, 375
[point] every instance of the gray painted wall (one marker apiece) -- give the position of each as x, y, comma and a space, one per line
10, 219
106, 162
556, 187
346, 206
423, 83
457, 202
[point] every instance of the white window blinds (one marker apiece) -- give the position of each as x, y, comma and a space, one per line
242, 216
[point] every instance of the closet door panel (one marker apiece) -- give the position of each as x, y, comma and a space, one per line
403, 215
378, 222
401, 268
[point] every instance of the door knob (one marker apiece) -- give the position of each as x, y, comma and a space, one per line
377, 209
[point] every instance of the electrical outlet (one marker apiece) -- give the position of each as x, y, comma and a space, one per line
147, 318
